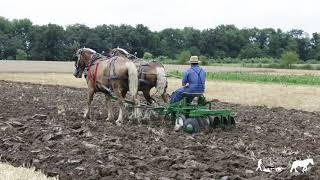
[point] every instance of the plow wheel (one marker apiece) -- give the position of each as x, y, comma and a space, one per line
191, 125
225, 121
232, 120
214, 121
228, 121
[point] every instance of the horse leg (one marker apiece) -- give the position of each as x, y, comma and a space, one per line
146, 94
137, 113
109, 108
165, 97
121, 107
88, 110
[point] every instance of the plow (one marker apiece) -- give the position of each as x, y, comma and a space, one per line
192, 113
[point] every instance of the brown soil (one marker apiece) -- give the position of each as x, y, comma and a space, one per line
42, 126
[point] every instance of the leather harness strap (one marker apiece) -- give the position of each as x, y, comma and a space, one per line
94, 78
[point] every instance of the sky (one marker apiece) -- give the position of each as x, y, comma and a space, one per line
161, 14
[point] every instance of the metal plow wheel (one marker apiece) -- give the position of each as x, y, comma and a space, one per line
222, 121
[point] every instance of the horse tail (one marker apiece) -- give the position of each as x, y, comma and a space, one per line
161, 80
132, 77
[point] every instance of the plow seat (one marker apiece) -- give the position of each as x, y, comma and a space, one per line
192, 95
188, 97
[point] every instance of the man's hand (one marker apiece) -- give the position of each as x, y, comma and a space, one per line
185, 85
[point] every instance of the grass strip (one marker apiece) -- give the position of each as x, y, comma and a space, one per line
306, 79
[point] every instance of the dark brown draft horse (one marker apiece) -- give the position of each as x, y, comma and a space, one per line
151, 74
116, 75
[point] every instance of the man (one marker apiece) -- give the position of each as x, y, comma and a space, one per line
193, 80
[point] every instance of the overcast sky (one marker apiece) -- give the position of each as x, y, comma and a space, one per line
161, 14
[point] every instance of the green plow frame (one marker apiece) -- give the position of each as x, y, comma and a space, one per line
223, 118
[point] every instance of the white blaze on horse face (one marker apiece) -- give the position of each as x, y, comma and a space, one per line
79, 57
179, 124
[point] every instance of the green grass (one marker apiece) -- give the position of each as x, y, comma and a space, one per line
260, 78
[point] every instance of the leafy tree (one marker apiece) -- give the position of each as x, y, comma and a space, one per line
21, 55
47, 42
194, 51
171, 41
207, 43
5, 25
251, 51
21, 31
303, 43
3, 45
183, 56
315, 46
288, 58
37, 46
53, 42
204, 60
147, 55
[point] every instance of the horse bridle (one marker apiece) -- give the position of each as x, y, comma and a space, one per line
78, 54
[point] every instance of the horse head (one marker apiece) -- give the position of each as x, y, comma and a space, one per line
84, 55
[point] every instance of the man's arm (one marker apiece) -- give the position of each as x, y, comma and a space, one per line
185, 78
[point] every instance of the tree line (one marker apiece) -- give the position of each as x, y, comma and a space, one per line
21, 39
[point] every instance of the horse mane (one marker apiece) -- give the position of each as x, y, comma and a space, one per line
88, 49
122, 50
119, 52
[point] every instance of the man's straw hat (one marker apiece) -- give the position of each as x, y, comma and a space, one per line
194, 60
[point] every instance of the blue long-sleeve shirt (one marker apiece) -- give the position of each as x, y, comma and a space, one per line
195, 77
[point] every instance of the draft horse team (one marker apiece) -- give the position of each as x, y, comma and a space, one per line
117, 75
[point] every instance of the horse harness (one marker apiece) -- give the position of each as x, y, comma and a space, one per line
112, 72
95, 60
92, 62
142, 69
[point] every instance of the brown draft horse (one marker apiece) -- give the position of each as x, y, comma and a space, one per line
151, 74
116, 75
